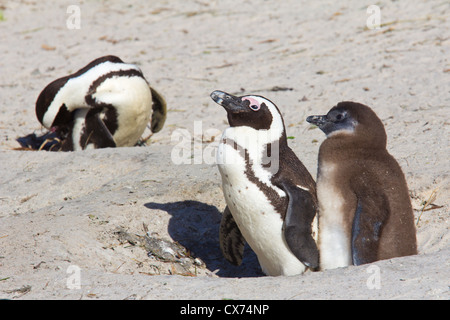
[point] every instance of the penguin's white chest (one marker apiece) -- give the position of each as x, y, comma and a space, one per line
334, 240
255, 216
132, 99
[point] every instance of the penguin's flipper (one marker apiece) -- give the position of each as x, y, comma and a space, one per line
159, 111
371, 214
96, 132
297, 225
231, 239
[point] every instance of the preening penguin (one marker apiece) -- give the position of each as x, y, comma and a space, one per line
270, 195
107, 103
365, 213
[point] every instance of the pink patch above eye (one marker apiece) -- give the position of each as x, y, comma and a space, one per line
252, 101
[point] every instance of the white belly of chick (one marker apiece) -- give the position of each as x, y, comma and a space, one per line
334, 242
256, 218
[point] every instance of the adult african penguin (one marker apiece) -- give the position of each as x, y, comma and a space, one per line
270, 195
365, 213
107, 103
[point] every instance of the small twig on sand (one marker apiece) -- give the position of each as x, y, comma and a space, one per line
22, 291
427, 203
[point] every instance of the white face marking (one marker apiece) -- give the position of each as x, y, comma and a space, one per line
276, 128
334, 242
73, 93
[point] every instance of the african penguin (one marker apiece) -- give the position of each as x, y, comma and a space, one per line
107, 103
270, 195
365, 213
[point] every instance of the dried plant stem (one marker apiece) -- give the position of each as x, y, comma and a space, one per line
431, 198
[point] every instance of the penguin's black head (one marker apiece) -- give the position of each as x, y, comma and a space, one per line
351, 119
252, 111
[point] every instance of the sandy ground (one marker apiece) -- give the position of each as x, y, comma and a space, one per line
70, 216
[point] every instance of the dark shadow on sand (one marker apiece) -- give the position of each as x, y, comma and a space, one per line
195, 225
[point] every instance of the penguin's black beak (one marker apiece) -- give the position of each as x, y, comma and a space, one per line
319, 121
231, 103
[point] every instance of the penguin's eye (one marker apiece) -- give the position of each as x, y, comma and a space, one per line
337, 116
254, 107
252, 103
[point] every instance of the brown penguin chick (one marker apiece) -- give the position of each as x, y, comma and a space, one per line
365, 213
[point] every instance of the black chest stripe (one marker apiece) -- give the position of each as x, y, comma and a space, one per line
90, 100
279, 203
111, 115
